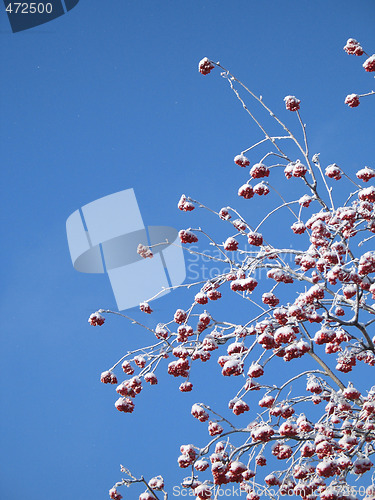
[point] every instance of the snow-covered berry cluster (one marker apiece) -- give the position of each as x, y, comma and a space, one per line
292, 103
205, 66
96, 319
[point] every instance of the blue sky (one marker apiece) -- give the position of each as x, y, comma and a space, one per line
105, 98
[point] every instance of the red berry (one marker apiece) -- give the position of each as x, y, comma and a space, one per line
201, 298
288, 428
232, 366
362, 465
125, 404
266, 402
288, 170
255, 371
236, 348
140, 361
127, 368
349, 291
185, 205
161, 332
199, 413
369, 64
96, 319
239, 224
353, 47
308, 449
262, 432
151, 378
261, 189
224, 214
114, 494
324, 336
214, 429
202, 492
205, 319
214, 294
271, 480
367, 263
205, 66
241, 160
270, 299
327, 468
261, 460
146, 496
352, 100
144, 251
333, 172
339, 311
201, 465
305, 200
145, 307
298, 228
108, 377
186, 387
180, 316
187, 236
259, 170
156, 483
291, 103
284, 335
240, 407
125, 389
299, 170
246, 191
365, 174
179, 368
255, 239
231, 245
367, 194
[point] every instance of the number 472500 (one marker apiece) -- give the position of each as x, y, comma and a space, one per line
29, 8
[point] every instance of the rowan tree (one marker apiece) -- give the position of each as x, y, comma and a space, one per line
311, 432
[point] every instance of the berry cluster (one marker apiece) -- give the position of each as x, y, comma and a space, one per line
96, 319
144, 251
354, 47
291, 103
205, 66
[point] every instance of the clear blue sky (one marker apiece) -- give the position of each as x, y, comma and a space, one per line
106, 98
